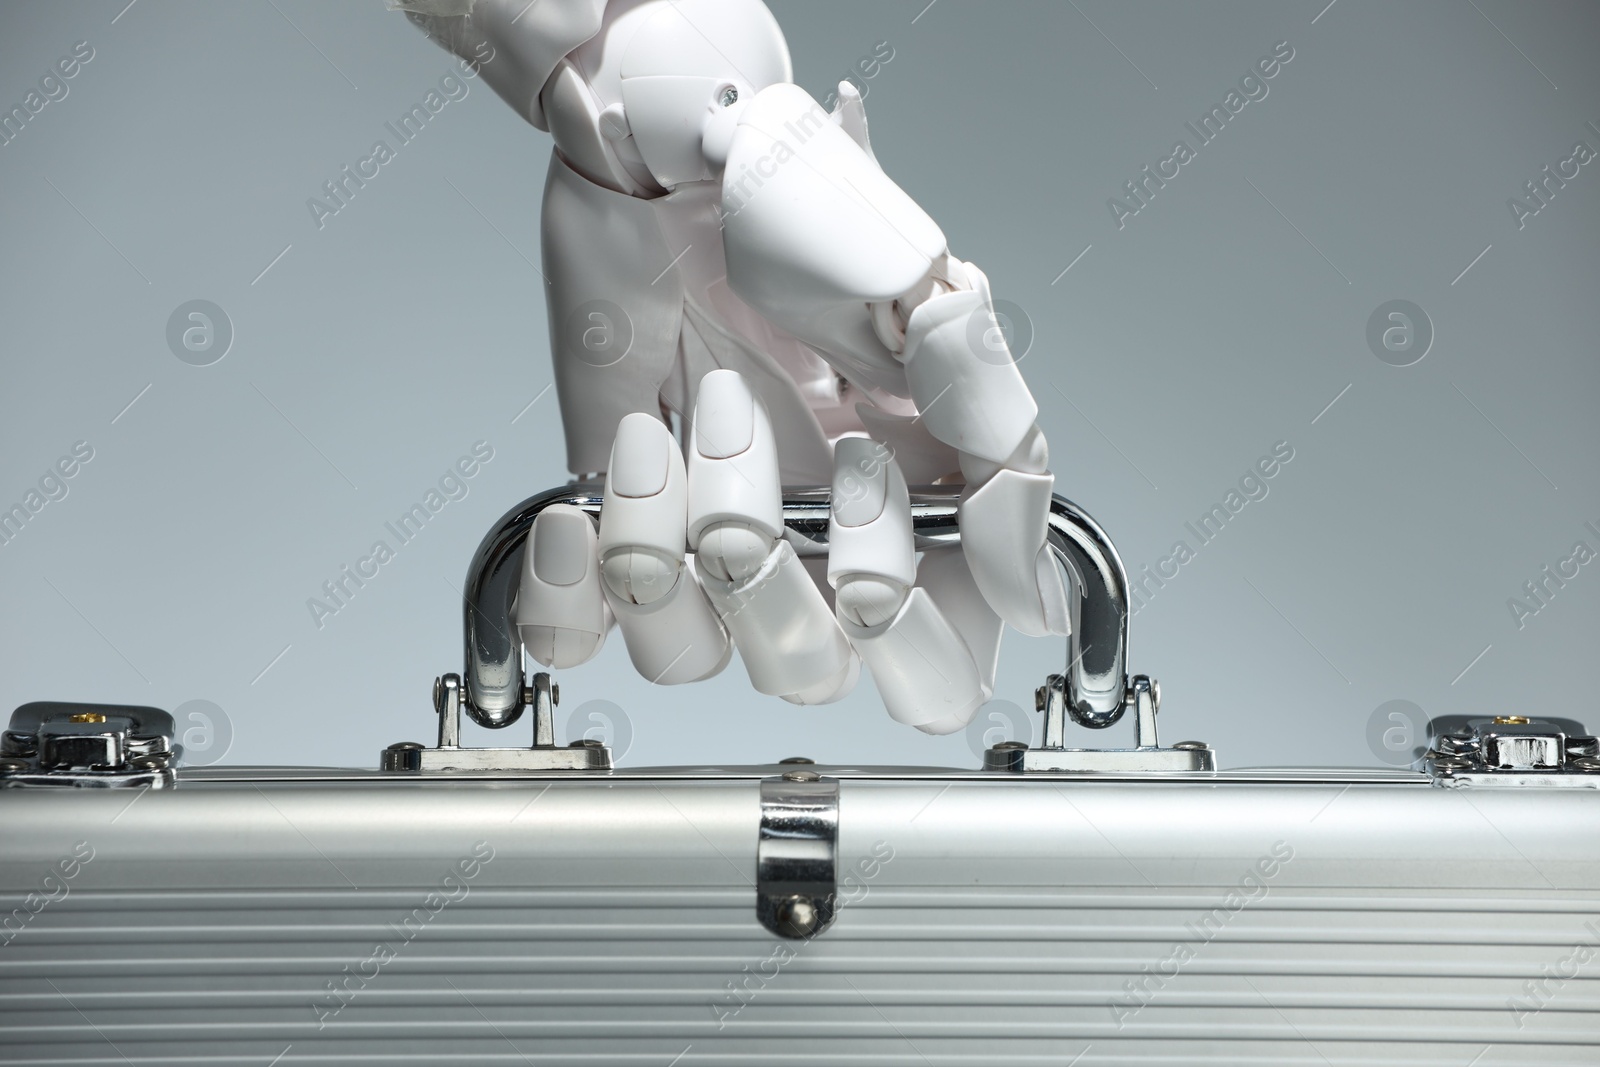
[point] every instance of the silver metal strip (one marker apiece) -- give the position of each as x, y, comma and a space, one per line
1310, 776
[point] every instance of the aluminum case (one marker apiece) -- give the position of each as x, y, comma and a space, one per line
1063, 906
259, 916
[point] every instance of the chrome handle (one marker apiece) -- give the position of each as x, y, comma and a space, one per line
1095, 680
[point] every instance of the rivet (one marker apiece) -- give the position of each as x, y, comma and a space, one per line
797, 915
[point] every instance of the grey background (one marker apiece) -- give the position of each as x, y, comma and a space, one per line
1221, 319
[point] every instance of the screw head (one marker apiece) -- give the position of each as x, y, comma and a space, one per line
1009, 746
1587, 763
796, 759
555, 693
1191, 746
8, 766
729, 97
801, 776
1039, 698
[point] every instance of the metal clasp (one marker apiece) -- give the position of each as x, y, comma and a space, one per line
1514, 750
797, 853
50, 743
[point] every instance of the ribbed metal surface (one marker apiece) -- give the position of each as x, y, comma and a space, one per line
1350, 953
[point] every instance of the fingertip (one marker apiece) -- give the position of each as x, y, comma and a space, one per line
641, 456
563, 542
724, 415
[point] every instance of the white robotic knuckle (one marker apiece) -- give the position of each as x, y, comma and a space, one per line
734, 551
999, 332
639, 576
870, 600
980, 407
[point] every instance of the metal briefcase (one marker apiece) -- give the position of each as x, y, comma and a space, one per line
535, 905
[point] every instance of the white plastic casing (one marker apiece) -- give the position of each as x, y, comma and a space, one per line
512, 43
815, 232
676, 67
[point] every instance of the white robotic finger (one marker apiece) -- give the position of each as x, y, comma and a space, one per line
967, 387
562, 616
924, 670
972, 397
785, 633
1003, 533
947, 578
672, 633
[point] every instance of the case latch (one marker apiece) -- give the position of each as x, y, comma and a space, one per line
1512, 750
797, 853
51, 743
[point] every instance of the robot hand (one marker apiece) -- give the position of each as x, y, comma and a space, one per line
775, 280
743, 585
